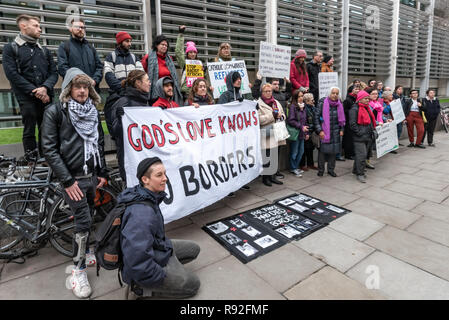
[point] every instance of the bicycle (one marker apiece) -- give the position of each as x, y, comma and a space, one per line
444, 116
33, 212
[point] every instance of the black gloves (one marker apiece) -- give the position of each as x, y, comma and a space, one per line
182, 29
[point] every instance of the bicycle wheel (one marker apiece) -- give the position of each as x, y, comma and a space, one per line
446, 123
16, 207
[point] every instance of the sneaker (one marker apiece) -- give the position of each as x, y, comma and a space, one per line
90, 259
411, 145
369, 165
80, 284
246, 188
362, 179
420, 146
431, 144
297, 173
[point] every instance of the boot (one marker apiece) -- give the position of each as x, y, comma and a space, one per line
266, 181
274, 180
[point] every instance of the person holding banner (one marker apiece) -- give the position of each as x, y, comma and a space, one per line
329, 123
397, 94
164, 91
387, 97
198, 95
298, 71
270, 111
362, 123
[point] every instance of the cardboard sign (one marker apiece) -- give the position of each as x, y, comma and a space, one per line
194, 70
387, 140
327, 80
397, 111
274, 60
218, 72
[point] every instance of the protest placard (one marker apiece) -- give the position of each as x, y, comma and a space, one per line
387, 140
208, 152
274, 60
397, 111
194, 70
218, 72
327, 80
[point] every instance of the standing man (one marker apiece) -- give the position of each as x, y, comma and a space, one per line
413, 116
313, 69
117, 65
73, 145
432, 111
77, 52
32, 74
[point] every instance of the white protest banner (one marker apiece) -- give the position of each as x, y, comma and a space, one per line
208, 152
387, 140
326, 81
397, 111
218, 72
194, 70
274, 60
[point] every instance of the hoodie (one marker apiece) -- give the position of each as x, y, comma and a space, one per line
162, 100
145, 248
66, 87
232, 94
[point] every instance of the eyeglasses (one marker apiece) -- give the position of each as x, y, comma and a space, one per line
78, 27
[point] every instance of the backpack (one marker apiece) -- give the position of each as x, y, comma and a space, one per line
114, 57
108, 250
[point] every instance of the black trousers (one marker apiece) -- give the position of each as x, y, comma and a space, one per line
330, 158
361, 150
32, 111
307, 157
429, 129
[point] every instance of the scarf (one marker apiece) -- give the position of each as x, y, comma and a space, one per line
271, 102
28, 39
84, 118
326, 117
377, 106
366, 116
353, 95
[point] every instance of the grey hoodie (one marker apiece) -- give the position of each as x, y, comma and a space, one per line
232, 94
66, 86
159, 88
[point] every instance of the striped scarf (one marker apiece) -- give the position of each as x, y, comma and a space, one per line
84, 118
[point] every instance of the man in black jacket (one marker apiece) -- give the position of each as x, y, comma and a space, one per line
73, 145
282, 96
32, 73
77, 52
313, 69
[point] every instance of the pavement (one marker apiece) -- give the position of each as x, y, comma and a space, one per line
393, 245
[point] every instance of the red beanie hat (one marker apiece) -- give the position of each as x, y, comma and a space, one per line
122, 36
301, 53
362, 94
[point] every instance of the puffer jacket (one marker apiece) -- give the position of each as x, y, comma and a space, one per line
145, 248
335, 140
232, 94
361, 133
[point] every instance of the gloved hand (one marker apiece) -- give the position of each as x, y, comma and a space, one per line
240, 99
119, 112
182, 29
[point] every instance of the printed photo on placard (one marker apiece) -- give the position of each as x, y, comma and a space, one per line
320, 211
231, 238
251, 231
288, 231
335, 209
309, 223
298, 226
299, 207
238, 223
266, 241
312, 202
218, 227
247, 249
300, 198
286, 202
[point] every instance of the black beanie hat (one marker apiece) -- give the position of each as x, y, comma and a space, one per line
327, 59
144, 165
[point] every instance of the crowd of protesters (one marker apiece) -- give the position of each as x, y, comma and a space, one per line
71, 136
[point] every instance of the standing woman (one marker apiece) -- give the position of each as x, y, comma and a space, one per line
159, 65
298, 71
297, 118
224, 53
376, 105
432, 111
270, 111
198, 95
307, 158
348, 143
329, 123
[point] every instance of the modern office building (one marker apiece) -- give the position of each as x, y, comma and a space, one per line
397, 41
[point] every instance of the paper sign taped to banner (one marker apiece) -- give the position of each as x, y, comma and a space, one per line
327, 80
194, 70
218, 72
208, 152
274, 60
387, 140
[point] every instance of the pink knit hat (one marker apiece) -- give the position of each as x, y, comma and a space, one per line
362, 94
191, 47
301, 53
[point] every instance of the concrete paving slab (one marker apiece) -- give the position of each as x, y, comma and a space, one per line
356, 226
399, 280
285, 267
413, 249
229, 279
242, 199
440, 166
329, 194
114, 295
417, 191
432, 175
431, 229
334, 248
422, 182
205, 217
329, 284
433, 210
389, 197
259, 189
292, 182
178, 223
279, 194
383, 213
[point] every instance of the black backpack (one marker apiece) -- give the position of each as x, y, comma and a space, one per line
108, 250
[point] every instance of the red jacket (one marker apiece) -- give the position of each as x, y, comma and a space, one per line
165, 104
297, 79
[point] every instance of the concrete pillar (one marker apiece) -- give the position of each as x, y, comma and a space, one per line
425, 82
146, 9
158, 17
272, 21
391, 80
343, 76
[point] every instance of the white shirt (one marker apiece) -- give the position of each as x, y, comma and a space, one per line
415, 106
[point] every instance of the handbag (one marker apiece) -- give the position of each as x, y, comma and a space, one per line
280, 131
315, 138
424, 119
293, 132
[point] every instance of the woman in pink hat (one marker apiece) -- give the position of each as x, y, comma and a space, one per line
298, 71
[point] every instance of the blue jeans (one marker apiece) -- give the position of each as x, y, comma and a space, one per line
296, 152
399, 127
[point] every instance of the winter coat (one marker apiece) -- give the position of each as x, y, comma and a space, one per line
145, 248
37, 69
298, 120
407, 106
313, 69
334, 145
114, 73
281, 96
162, 101
326, 68
153, 74
232, 94
298, 80
432, 108
361, 133
82, 56
266, 120
200, 100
